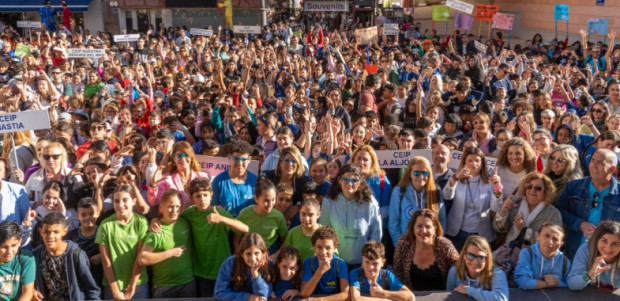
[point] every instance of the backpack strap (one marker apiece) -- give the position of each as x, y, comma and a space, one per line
76, 255
384, 280
381, 181
360, 278
564, 264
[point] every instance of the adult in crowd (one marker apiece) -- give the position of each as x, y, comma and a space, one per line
588, 201
54, 168
472, 192
516, 159
482, 133
290, 170
562, 167
365, 158
423, 255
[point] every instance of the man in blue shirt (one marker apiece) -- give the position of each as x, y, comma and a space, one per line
47, 16
586, 202
500, 80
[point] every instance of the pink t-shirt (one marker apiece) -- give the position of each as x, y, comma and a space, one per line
557, 100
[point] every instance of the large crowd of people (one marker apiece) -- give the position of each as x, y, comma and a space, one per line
121, 181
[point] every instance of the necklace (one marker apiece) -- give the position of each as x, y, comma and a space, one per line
471, 197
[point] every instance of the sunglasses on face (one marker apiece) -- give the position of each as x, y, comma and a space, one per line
536, 188
289, 161
55, 157
479, 258
242, 160
557, 159
180, 156
418, 173
597, 111
97, 128
348, 180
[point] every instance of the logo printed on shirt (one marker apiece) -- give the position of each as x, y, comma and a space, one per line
331, 284
6, 288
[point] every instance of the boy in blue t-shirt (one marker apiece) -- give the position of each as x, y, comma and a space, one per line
325, 273
373, 281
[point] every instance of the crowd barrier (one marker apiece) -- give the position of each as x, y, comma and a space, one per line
516, 294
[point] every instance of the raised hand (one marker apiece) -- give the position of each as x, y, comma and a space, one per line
215, 217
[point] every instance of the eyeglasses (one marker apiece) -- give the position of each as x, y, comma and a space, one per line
557, 159
348, 180
289, 161
180, 156
48, 157
418, 173
536, 188
97, 128
479, 258
242, 160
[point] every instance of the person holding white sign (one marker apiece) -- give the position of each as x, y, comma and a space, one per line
471, 191
233, 189
416, 190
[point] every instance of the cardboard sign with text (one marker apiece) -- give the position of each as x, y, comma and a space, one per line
215, 165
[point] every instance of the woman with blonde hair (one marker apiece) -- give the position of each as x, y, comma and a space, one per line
24, 150
474, 274
526, 212
53, 168
562, 167
183, 168
416, 190
365, 158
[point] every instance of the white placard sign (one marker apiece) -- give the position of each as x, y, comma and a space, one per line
460, 6
247, 29
310, 5
481, 47
397, 158
455, 160
29, 24
126, 38
85, 53
23, 121
215, 165
201, 32
390, 29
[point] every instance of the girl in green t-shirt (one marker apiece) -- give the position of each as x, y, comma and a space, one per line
120, 238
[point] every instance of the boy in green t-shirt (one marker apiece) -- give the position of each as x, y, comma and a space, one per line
170, 251
210, 230
262, 219
300, 237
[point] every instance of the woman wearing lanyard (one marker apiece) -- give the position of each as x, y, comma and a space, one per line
417, 190
471, 190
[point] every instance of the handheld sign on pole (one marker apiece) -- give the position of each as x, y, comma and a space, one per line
126, 38
29, 24
201, 32
460, 6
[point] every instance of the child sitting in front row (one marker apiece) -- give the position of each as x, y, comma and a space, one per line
374, 281
325, 273
543, 265
287, 276
246, 275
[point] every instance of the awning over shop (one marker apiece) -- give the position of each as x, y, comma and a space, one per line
35, 5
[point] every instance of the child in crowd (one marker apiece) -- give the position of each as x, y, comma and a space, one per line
17, 267
84, 236
170, 251
284, 199
287, 276
262, 219
325, 274
597, 262
474, 275
374, 281
543, 265
300, 237
246, 275
210, 231
318, 173
63, 271
120, 238
53, 200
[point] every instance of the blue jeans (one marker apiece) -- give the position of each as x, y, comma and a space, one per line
142, 292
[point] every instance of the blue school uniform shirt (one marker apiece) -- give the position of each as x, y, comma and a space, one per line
281, 286
329, 283
534, 267
231, 196
393, 282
